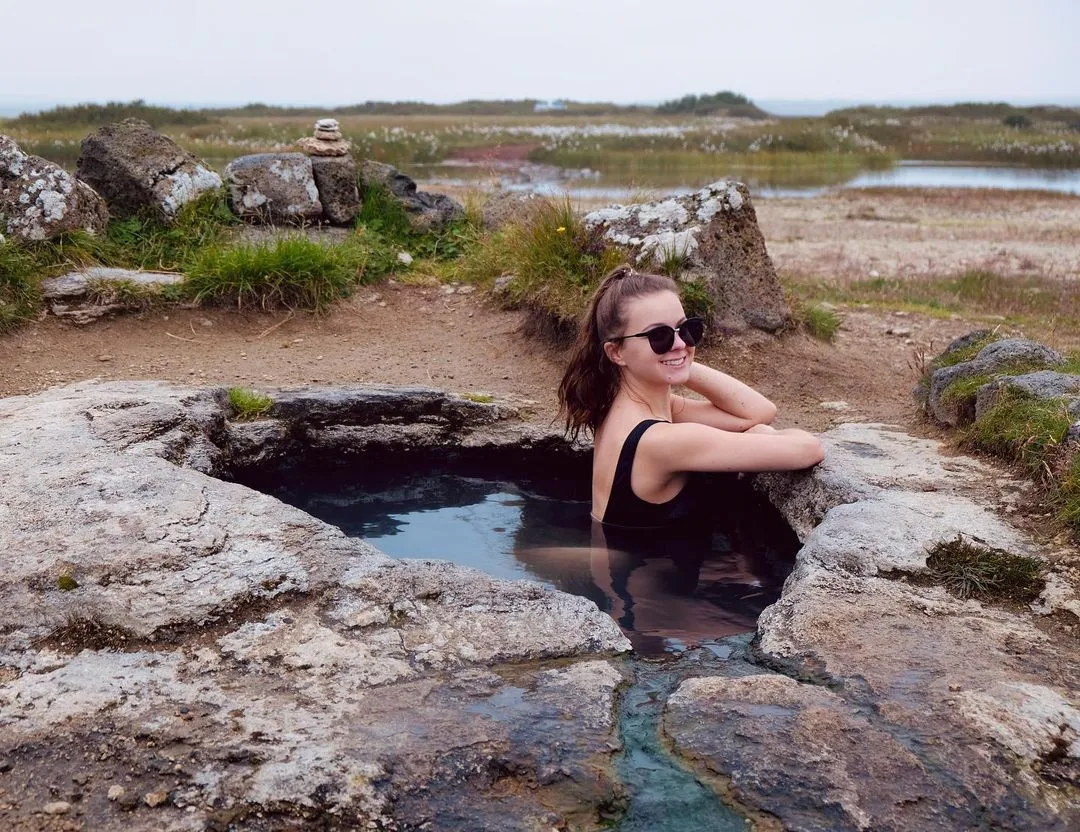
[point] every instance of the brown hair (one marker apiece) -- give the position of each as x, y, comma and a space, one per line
591, 380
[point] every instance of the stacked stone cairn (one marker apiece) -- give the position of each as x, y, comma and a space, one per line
335, 171
317, 185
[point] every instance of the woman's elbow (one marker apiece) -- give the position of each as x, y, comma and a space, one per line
767, 413
815, 451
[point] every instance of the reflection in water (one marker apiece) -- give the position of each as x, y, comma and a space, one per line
666, 591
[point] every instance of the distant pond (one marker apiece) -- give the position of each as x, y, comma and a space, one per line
593, 186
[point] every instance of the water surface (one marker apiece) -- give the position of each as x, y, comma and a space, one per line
665, 593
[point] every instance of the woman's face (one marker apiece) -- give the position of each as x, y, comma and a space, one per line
636, 356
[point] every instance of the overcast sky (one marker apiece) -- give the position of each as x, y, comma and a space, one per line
346, 51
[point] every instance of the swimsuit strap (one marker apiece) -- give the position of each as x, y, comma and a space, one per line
622, 497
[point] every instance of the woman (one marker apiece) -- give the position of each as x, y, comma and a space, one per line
649, 443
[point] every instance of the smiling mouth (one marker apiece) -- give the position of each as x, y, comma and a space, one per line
674, 362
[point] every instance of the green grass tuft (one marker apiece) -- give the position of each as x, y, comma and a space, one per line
821, 322
66, 583
248, 404
985, 573
20, 295
478, 398
696, 300
557, 263
147, 242
290, 271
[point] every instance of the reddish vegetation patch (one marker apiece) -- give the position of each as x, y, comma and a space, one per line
494, 153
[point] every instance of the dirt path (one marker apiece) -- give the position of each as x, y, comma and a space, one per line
409, 335
436, 336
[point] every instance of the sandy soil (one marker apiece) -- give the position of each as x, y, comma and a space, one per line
897, 233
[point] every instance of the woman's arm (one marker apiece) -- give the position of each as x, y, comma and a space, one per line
731, 405
696, 447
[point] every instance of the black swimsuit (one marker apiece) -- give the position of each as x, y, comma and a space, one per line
627, 510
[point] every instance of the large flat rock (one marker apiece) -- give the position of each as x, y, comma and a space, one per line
169, 632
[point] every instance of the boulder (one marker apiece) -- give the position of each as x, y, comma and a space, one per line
39, 199
427, 212
138, 170
711, 236
273, 187
999, 357
335, 179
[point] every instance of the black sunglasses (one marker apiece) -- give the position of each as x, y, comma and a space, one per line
662, 338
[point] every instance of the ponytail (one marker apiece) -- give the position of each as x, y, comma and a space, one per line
591, 380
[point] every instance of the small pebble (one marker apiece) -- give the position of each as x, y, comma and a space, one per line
153, 799
404, 258
465, 290
116, 792
837, 405
874, 273
105, 357
57, 807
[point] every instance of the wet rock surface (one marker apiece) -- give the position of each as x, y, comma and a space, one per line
900, 706
40, 200
711, 236
136, 169
426, 211
178, 651
273, 187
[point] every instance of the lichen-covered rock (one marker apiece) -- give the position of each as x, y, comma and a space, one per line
1008, 355
273, 187
427, 212
713, 235
177, 632
335, 179
137, 170
39, 199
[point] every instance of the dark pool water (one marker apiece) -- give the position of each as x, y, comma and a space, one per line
666, 594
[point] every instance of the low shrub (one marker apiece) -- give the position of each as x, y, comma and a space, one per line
696, 300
